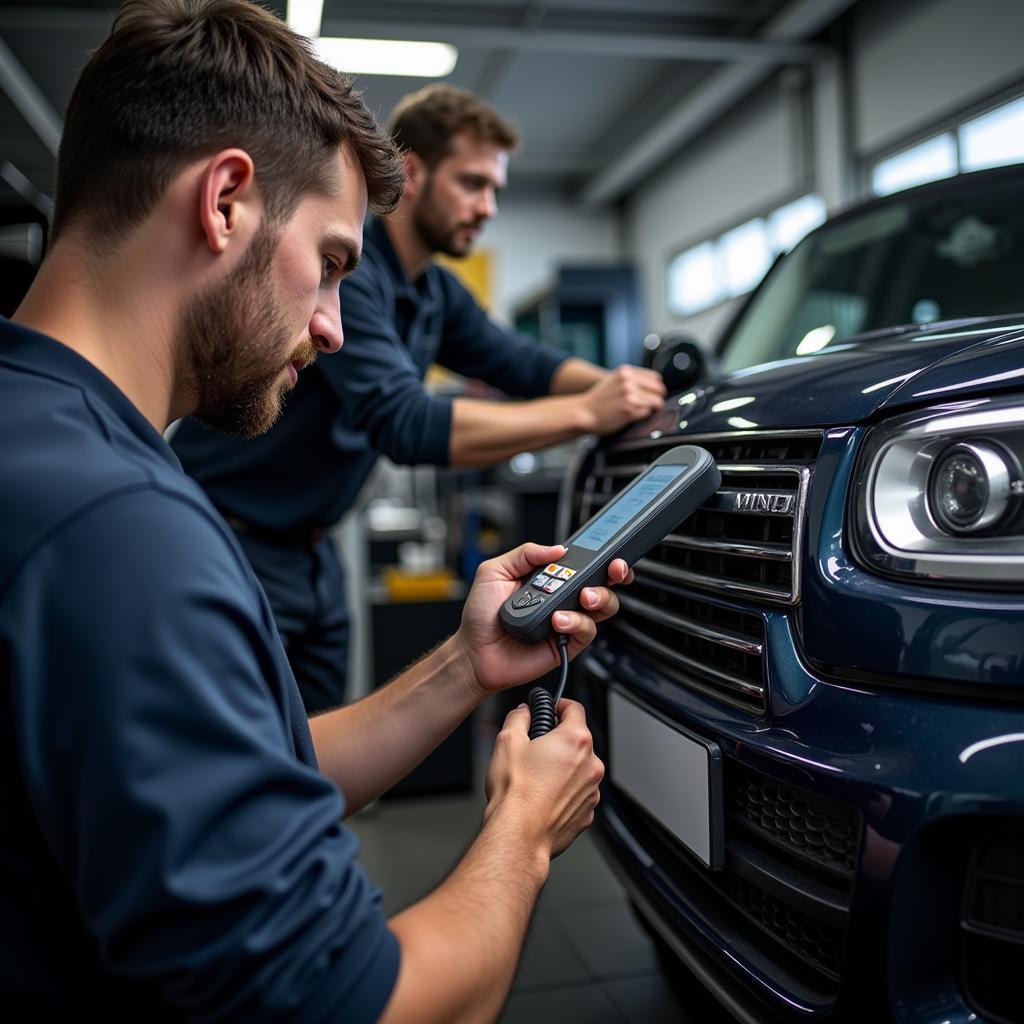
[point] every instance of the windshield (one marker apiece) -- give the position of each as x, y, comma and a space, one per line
939, 256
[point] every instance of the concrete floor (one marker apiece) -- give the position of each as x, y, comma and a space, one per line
586, 958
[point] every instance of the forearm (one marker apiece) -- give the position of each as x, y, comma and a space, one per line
575, 375
484, 433
368, 746
460, 945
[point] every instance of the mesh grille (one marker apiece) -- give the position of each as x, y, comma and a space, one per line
806, 938
815, 829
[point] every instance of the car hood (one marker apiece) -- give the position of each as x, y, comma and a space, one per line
850, 381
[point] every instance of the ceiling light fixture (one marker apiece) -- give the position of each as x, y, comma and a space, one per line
305, 16
387, 57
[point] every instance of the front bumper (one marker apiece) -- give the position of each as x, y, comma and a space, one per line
853, 825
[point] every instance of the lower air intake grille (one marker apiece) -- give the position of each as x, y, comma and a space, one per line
805, 824
993, 927
821, 945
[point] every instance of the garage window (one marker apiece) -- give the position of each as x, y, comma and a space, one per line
733, 263
693, 280
994, 139
928, 161
991, 139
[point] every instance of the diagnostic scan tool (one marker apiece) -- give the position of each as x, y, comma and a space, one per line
638, 517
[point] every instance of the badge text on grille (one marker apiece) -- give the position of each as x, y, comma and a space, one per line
763, 501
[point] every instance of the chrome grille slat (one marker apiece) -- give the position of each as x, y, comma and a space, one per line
695, 579
734, 684
718, 635
771, 552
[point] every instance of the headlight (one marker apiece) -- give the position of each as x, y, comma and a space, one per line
940, 495
970, 488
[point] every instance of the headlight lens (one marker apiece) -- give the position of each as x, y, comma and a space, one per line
940, 495
970, 488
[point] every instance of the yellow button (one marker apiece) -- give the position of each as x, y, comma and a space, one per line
565, 572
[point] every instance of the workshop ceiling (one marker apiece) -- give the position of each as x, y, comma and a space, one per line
587, 81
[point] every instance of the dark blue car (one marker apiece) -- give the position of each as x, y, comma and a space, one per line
812, 703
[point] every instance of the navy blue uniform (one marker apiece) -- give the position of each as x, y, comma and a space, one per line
281, 489
169, 849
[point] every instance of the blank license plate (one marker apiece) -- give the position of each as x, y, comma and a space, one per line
671, 774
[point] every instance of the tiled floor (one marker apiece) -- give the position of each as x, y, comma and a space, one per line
586, 959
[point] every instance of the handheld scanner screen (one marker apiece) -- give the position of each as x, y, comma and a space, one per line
637, 496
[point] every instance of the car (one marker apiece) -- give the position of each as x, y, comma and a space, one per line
811, 705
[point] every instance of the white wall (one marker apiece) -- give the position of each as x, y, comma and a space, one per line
742, 166
915, 62
912, 62
531, 237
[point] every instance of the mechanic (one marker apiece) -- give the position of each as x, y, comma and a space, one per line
171, 849
401, 312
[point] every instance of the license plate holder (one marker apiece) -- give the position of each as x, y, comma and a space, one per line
673, 774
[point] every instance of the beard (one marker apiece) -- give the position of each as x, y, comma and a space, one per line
436, 231
236, 338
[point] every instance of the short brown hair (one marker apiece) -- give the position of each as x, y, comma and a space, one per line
179, 79
426, 121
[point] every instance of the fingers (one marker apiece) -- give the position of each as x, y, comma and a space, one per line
649, 380
643, 387
570, 712
518, 720
580, 627
619, 572
520, 561
599, 602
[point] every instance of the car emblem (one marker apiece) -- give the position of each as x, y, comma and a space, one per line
779, 504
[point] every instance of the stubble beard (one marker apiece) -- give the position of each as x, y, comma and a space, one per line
433, 229
236, 340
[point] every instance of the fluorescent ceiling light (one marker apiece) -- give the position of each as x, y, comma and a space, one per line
305, 16
387, 57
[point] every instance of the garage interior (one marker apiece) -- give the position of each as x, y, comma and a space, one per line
672, 149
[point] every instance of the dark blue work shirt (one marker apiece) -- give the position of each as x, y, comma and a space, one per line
168, 848
366, 399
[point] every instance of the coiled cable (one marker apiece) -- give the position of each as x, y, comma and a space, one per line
542, 705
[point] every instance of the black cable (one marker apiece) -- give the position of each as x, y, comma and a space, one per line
542, 705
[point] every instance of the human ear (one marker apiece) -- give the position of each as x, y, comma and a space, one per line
415, 174
227, 196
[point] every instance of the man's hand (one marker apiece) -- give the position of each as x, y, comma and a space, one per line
548, 786
627, 394
497, 660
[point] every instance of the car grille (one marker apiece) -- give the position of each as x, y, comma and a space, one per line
704, 644
819, 945
993, 926
743, 543
808, 826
